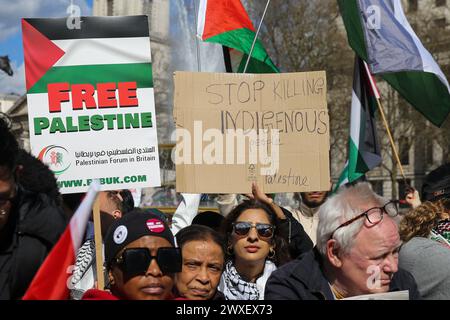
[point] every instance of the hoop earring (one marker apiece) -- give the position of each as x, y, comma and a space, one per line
271, 253
230, 250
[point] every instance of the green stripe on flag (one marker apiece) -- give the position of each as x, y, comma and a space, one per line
433, 102
141, 73
241, 40
356, 165
352, 21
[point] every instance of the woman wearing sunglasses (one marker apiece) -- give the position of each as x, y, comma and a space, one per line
255, 247
140, 258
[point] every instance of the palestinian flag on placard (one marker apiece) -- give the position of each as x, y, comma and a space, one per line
380, 34
51, 280
103, 50
227, 23
363, 146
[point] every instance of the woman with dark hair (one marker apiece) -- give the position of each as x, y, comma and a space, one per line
425, 252
203, 253
258, 233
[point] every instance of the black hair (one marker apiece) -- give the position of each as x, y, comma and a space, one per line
209, 218
35, 176
199, 232
9, 148
281, 246
128, 201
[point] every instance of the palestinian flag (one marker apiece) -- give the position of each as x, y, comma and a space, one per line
98, 52
90, 90
363, 146
227, 23
380, 34
51, 280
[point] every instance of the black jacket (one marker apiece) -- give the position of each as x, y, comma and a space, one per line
34, 226
303, 279
298, 240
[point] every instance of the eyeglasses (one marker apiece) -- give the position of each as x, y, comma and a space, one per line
135, 261
373, 215
264, 230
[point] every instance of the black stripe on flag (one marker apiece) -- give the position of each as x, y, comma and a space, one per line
93, 27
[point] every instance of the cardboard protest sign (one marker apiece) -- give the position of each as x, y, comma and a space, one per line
91, 102
233, 129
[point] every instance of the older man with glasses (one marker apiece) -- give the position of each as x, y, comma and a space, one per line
356, 252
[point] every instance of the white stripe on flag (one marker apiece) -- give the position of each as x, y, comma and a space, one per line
355, 119
372, 81
201, 18
104, 51
429, 64
81, 216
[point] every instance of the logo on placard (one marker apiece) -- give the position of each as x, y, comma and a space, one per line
56, 158
155, 225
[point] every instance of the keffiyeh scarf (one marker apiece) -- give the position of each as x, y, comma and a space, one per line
441, 232
235, 288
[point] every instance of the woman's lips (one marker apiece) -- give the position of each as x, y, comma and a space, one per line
153, 289
252, 249
199, 292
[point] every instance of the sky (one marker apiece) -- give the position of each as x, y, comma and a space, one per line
12, 11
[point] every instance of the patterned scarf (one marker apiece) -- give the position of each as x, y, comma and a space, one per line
441, 232
235, 288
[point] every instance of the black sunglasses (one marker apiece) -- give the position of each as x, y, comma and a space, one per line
135, 261
264, 230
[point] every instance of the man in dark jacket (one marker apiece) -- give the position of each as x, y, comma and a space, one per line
30, 223
356, 253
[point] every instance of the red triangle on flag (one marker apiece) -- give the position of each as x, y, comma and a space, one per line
40, 54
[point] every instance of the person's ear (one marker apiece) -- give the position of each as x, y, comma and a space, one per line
111, 278
333, 253
117, 214
18, 171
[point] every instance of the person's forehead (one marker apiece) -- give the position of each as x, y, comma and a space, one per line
382, 236
203, 249
254, 215
151, 242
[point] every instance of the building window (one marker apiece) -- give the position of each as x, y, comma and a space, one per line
109, 7
440, 23
404, 151
440, 3
377, 186
412, 5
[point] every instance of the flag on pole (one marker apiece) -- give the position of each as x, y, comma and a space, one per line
380, 34
51, 280
227, 23
363, 146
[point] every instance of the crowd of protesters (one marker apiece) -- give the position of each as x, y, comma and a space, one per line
333, 246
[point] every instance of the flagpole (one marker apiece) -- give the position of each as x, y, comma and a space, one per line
380, 107
256, 37
98, 245
197, 45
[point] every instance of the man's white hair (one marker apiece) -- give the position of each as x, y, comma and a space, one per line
346, 204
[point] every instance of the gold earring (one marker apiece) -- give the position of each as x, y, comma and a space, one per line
271, 253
